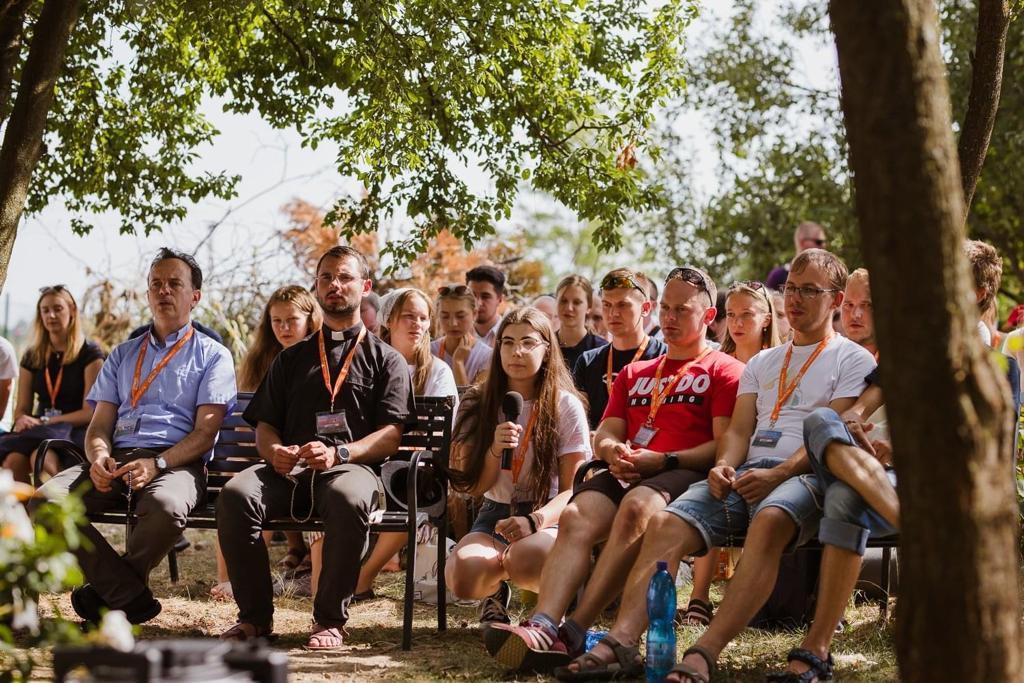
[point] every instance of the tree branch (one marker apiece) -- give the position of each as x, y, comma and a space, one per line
23, 137
12, 18
983, 100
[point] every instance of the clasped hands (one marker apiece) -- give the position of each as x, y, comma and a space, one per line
316, 455
104, 471
633, 464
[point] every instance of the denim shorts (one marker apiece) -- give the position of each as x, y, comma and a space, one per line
848, 521
492, 512
725, 522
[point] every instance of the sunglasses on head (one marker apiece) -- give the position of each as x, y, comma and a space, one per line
693, 277
621, 282
50, 289
454, 290
751, 284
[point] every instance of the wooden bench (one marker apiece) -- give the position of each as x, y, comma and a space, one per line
426, 440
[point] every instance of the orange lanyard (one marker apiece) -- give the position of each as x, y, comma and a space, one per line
520, 454
137, 390
325, 369
53, 388
786, 391
636, 357
658, 397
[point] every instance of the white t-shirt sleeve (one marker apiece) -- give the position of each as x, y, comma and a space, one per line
855, 363
573, 428
749, 383
8, 360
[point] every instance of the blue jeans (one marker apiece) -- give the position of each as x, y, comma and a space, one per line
848, 521
724, 522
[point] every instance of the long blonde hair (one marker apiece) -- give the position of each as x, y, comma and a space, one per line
423, 359
762, 298
478, 416
265, 346
39, 352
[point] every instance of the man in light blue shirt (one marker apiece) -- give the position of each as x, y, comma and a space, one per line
158, 402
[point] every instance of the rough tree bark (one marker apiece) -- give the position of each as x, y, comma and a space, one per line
12, 17
986, 87
958, 617
23, 135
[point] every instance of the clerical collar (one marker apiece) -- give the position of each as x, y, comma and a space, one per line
341, 335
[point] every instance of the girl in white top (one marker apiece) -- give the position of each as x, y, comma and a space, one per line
458, 346
515, 529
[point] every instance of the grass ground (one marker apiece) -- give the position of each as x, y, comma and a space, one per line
864, 650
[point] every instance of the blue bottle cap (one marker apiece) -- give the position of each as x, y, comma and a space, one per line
662, 566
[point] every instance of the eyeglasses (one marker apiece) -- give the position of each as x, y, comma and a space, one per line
454, 290
820, 243
528, 344
805, 292
693, 277
622, 282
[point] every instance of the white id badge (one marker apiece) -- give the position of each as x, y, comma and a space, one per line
644, 435
52, 412
328, 423
127, 426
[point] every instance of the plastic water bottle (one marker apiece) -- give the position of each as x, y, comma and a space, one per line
661, 633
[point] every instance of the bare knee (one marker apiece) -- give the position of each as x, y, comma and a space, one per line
637, 509
771, 529
575, 526
468, 573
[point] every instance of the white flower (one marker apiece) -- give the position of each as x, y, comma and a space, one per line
14, 521
6, 485
25, 613
116, 632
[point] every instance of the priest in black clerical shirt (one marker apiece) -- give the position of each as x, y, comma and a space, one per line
329, 411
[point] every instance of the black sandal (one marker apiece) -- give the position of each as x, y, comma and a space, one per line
689, 673
696, 613
628, 664
821, 670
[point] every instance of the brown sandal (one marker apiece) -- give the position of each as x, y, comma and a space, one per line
628, 664
242, 632
324, 639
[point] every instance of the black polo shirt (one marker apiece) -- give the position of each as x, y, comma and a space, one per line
590, 369
573, 353
376, 393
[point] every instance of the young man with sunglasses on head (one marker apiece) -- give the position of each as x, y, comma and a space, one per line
656, 439
808, 235
757, 488
625, 304
158, 404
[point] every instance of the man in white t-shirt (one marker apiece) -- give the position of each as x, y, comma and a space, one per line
8, 373
760, 486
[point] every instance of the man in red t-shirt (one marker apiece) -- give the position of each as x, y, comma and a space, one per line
657, 437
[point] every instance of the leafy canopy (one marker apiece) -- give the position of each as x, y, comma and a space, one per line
427, 102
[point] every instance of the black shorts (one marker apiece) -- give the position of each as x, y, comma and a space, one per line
492, 512
670, 484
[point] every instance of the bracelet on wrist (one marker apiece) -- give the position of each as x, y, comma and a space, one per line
533, 524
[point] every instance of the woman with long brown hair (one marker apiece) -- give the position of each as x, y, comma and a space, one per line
515, 529
291, 315
56, 373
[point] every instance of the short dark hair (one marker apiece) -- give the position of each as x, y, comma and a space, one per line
166, 253
345, 251
488, 274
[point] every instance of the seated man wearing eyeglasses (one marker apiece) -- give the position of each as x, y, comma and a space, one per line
760, 486
158, 403
657, 438
808, 235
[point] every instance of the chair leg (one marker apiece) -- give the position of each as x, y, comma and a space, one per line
886, 582
442, 558
172, 565
410, 564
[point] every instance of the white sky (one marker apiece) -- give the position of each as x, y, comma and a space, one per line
274, 169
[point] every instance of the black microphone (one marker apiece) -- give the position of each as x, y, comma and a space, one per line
512, 406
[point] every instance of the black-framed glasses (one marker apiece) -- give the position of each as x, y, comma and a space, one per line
806, 292
454, 290
693, 276
622, 282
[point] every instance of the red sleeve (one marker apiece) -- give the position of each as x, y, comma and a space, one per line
725, 382
618, 400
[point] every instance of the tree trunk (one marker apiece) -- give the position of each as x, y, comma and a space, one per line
23, 137
12, 17
986, 86
958, 616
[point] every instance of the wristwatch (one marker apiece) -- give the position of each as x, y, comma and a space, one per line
671, 461
160, 462
342, 454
